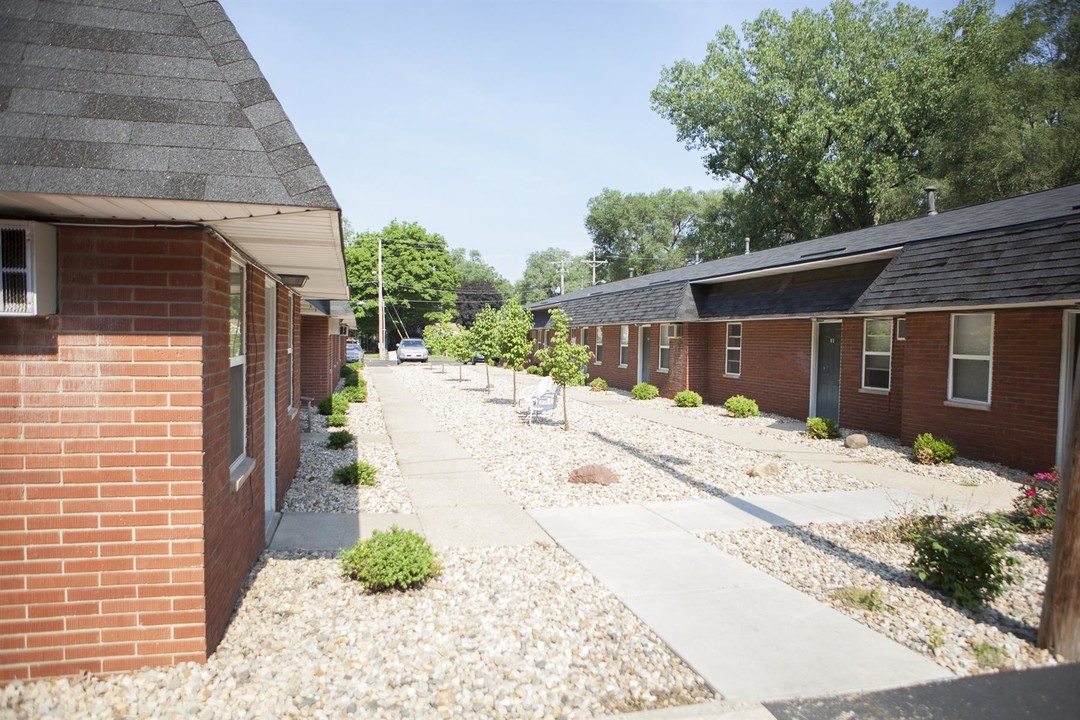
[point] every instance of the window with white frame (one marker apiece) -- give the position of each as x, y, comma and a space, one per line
585, 336
877, 354
901, 329
971, 350
664, 362
289, 352
237, 363
599, 350
624, 345
733, 354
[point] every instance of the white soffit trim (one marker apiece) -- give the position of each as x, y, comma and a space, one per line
802, 267
289, 240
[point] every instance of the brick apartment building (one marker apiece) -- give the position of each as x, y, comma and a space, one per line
161, 225
962, 324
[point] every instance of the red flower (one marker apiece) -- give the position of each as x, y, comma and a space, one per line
1030, 492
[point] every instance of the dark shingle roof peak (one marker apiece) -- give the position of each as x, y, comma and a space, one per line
143, 99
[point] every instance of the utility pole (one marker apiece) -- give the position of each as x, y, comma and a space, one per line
382, 310
561, 264
594, 263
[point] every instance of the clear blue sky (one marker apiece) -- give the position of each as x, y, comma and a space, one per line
491, 122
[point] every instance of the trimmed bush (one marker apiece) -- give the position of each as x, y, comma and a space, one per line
1035, 508
687, 399
359, 473
334, 404
346, 371
598, 385
339, 439
399, 559
645, 391
532, 370
336, 420
355, 393
821, 428
929, 450
741, 406
967, 560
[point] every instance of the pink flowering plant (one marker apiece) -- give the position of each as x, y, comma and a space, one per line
1036, 505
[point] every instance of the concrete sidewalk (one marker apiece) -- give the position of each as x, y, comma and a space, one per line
456, 503
749, 635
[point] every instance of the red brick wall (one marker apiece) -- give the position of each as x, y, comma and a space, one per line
775, 369
869, 409
1020, 427
315, 380
101, 544
623, 378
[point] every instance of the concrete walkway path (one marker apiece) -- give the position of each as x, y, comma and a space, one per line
456, 503
749, 635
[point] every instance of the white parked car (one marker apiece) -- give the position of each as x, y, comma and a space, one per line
412, 349
353, 352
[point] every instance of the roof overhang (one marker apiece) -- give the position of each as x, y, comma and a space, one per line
283, 239
802, 266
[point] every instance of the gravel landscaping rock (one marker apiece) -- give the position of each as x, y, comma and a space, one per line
882, 449
822, 559
505, 632
314, 489
653, 462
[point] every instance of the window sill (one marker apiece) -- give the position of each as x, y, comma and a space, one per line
874, 391
732, 377
663, 370
985, 407
622, 366
598, 363
240, 474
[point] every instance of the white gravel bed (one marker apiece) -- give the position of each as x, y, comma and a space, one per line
820, 559
883, 450
653, 462
314, 488
508, 632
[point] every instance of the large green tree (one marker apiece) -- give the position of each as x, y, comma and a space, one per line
819, 116
480, 285
418, 277
540, 280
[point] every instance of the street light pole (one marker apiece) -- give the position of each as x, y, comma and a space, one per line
382, 310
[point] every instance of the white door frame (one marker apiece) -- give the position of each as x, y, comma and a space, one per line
1069, 320
814, 361
270, 402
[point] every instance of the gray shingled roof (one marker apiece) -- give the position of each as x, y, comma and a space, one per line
1033, 263
1034, 207
143, 99
671, 302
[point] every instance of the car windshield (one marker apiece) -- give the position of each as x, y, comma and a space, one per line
412, 343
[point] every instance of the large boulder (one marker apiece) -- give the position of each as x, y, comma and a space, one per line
593, 475
856, 441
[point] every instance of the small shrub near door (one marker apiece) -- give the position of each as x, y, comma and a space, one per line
355, 393
687, 399
930, 450
397, 559
822, 428
645, 391
741, 407
598, 385
967, 560
339, 439
337, 420
335, 403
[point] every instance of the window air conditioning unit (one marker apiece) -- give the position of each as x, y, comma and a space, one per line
27, 268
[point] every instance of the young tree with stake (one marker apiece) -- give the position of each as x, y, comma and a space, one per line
515, 322
562, 360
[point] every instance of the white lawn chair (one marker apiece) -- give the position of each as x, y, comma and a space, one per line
541, 401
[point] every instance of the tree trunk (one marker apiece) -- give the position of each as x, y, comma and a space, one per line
459, 378
487, 375
1059, 629
515, 387
565, 417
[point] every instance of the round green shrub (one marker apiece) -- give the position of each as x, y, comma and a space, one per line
399, 559
333, 404
532, 370
821, 428
339, 439
930, 450
967, 560
355, 393
687, 399
359, 473
740, 406
645, 391
336, 420
598, 385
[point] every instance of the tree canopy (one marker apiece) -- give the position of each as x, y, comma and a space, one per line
480, 285
831, 120
418, 277
541, 277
